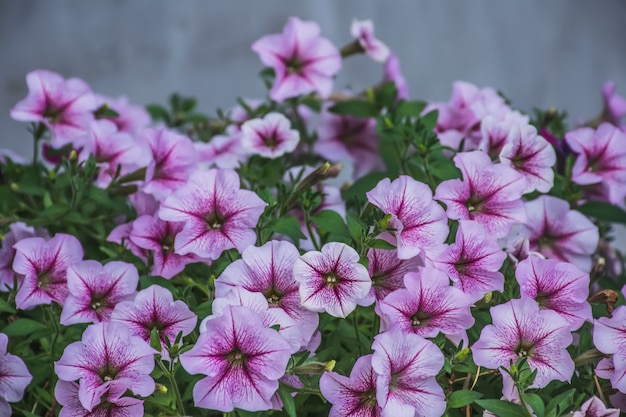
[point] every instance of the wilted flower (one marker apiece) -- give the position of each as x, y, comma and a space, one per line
354, 396
332, 280
406, 366
44, 265
303, 61
107, 359
419, 222
218, 215
94, 290
14, 378
521, 329
243, 361
270, 136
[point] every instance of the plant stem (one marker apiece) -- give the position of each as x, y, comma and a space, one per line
522, 402
180, 408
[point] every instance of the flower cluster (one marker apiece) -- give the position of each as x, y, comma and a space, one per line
162, 261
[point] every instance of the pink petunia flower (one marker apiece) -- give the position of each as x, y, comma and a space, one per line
472, 262
270, 136
243, 361
44, 265
530, 155
489, 194
268, 270
107, 359
614, 105
363, 31
594, 407
131, 118
419, 222
393, 72
158, 236
558, 286
352, 139
427, 305
64, 106
406, 366
173, 160
387, 272
560, 233
609, 337
155, 308
14, 378
332, 280
354, 396
218, 215
600, 161
114, 405
521, 329
303, 61
17, 232
94, 290
222, 151
495, 129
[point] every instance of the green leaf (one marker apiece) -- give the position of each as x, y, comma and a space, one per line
5, 307
22, 327
536, 403
355, 226
331, 221
461, 398
358, 108
289, 226
382, 244
158, 113
430, 119
561, 402
502, 408
410, 108
363, 185
603, 211
289, 404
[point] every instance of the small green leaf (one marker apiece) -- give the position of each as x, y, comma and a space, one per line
363, 185
158, 113
502, 408
536, 403
461, 398
5, 307
410, 108
382, 244
603, 211
331, 221
430, 119
561, 402
289, 226
358, 108
288, 403
22, 327
355, 227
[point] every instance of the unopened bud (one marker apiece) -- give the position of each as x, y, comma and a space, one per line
384, 222
461, 355
313, 368
330, 365
160, 389
607, 297
15, 186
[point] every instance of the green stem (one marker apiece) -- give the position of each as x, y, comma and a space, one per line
307, 220
357, 333
37, 135
180, 407
521, 399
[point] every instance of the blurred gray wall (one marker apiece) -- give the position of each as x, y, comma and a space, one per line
539, 53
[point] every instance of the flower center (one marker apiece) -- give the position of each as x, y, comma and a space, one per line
524, 349
331, 279
419, 319
52, 114
369, 398
214, 221
236, 358
107, 373
167, 243
98, 302
271, 141
474, 204
43, 280
294, 65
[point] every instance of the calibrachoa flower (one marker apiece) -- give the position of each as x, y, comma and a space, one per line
594, 407
489, 194
472, 262
218, 215
601, 160
406, 366
268, 270
270, 136
387, 272
419, 222
222, 151
158, 236
427, 305
114, 405
495, 130
243, 361
173, 160
521, 329
332, 280
64, 106
155, 308
560, 233
303, 61
44, 265
558, 286
14, 378
346, 138
609, 336
530, 155
354, 396
108, 358
94, 290
363, 31
17, 232
130, 118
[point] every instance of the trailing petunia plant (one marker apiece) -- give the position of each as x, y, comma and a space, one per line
317, 252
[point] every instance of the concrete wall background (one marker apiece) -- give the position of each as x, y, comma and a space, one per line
538, 53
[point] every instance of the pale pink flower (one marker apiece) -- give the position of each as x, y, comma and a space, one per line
114, 405
44, 267
495, 130
14, 378
17, 232
489, 194
363, 31
303, 61
222, 151
609, 336
387, 272
218, 215
393, 72
270, 136
332, 280
614, 105
419, 222
131, 118
594, 407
